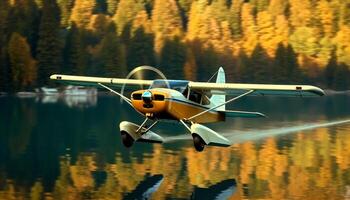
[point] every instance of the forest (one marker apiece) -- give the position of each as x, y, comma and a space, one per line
256, 41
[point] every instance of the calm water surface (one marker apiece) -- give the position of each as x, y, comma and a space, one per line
70, 149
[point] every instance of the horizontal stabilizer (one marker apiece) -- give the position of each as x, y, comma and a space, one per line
242, 114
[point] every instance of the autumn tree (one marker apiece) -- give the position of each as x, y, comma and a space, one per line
235, 18
166, 23
23, 66
112, 6
126, 11
82, 11
266, 32
250, 37
66, 7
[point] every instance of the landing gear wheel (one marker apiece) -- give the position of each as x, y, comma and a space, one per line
198, 142
128, 141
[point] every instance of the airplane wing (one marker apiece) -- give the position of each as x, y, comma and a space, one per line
94, 81
258, 89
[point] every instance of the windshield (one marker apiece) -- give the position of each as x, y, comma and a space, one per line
179, 85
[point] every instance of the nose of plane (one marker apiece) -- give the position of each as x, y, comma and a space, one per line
147, 97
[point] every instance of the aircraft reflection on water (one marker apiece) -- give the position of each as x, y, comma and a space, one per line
220, 191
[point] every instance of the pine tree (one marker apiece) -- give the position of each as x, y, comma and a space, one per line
341, 77
74, 62
259, 65
140, 49
329, 72
49, 45
285, 67
23, 66
23, 18
112, 56
173, 57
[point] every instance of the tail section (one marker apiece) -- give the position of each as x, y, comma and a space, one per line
219, 99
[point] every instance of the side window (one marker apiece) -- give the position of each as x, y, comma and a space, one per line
195, 96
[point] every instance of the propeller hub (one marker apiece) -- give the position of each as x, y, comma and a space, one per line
147, 97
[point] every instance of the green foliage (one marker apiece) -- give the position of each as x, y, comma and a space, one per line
49, 44
140, 49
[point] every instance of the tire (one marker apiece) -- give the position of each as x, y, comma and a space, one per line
198, 142
127, 140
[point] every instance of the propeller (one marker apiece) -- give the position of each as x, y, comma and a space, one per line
147, 95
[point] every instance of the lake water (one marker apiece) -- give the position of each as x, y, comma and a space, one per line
71, 149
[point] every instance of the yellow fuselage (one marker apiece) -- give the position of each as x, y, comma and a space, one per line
171, 104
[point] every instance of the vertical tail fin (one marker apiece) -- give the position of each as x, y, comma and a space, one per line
219, 99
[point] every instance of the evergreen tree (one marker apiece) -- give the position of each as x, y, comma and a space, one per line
140, 49
112, 56
285, 69
173, 57
23, 66
329, 72
23, 18
74, 61
259, 66
341, 77
49, 45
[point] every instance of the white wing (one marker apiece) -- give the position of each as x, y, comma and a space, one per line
259, 89
94, 81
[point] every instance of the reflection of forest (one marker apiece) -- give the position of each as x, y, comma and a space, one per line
307, 165
52, 151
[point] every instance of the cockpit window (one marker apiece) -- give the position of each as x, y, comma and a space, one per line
179, 85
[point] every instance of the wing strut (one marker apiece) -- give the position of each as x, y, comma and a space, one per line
117, 93
215, 107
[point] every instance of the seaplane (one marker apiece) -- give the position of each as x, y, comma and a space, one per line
190, 103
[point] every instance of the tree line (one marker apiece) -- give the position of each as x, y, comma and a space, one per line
259, 41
